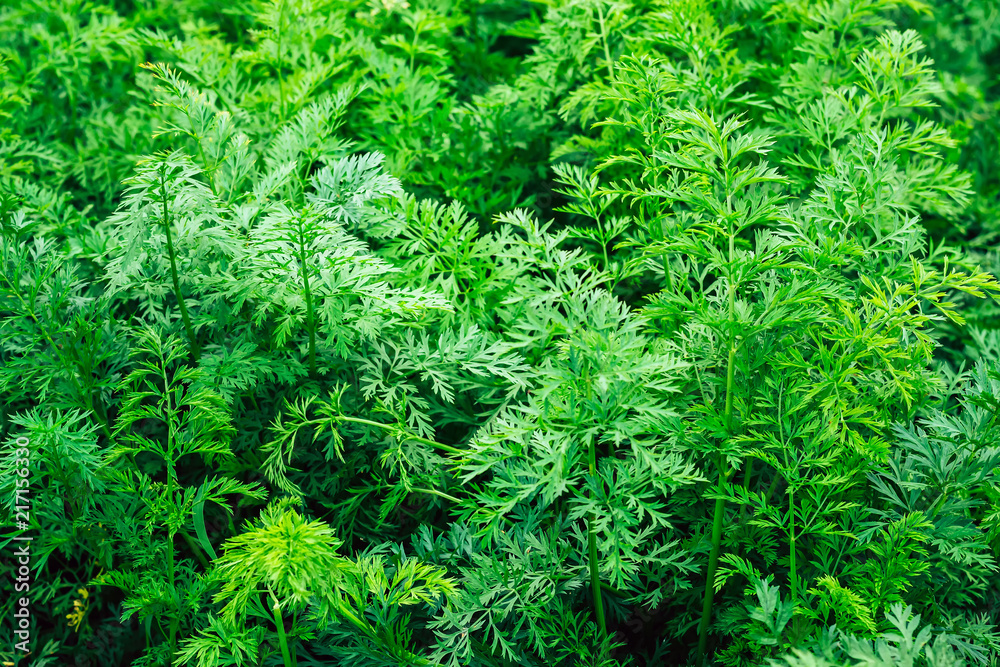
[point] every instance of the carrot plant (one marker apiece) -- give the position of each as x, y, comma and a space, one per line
495, 333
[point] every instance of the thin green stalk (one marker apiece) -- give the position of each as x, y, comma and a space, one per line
281, 79
310, 316
595, 573
192, 341
604, 42
279, 623
748, 476
720, 504
772, 487
196, 550
173, 592
57, 350
717, 521
406, 656
713, 564
82, 363
793, 577
171, 557
171, 482
413, 47
609, 588
102, 416
665, 258
747, 479
354, 620
440, 494
473, 23
730, 374
417, 438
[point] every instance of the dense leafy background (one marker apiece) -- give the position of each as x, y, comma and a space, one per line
451, 332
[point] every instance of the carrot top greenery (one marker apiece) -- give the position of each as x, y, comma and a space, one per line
513, 333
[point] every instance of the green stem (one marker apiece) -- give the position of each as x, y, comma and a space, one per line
473, 24
717, 522
192, 341
279, 623
440, 494
595, 573
406, 656
171, 464
793, 576
720, 503
604, 41
772, 487
747, 478
310, 316
281, 79
609, 588
665, 258
413, 48
713, 564
102, 416
354, 620
199, 554
173, 593
407, 436
57, 350
171, 557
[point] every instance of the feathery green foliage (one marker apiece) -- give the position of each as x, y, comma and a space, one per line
482, 333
